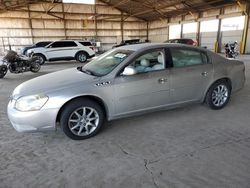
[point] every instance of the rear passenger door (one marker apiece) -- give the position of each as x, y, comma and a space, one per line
61, 49
190, 74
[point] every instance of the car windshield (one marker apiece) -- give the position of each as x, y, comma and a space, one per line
105, 63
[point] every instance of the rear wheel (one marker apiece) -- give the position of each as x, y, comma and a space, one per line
40, 58
81, 119
3, 70
218, 95
82, 57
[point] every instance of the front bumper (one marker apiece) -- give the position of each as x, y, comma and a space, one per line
32, 121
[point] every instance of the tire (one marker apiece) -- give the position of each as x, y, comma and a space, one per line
41, 58
82, 57
218, 95
3, 70
35, 67
78, 127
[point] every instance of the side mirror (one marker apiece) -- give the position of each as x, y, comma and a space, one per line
128, 71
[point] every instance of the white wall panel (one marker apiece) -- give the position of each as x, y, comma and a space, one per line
208, 39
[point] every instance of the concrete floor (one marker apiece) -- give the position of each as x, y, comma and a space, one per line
192, 146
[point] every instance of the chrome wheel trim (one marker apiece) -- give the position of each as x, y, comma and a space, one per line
83, 121
82, 57
220, 95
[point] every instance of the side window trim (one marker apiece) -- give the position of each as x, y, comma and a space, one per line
188, 49
164, 50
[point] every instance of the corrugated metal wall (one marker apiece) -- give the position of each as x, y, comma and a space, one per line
23, 27
158, 30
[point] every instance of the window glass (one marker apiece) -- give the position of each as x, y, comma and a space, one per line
42, 44
62, 44
149, 62
182, 58
204, 58
190, 27
234, 23
105, 63
209, 26
86, 43
56, 45
174, 31
68, 44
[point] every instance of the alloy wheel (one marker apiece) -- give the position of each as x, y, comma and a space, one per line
220, 95
82, 58
83, 121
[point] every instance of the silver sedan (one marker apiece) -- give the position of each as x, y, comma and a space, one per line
124, 82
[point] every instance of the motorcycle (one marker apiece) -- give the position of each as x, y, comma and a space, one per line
231, 50
18, 64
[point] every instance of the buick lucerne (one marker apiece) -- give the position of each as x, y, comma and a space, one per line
123, 82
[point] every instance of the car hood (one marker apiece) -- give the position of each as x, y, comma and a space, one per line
60, 80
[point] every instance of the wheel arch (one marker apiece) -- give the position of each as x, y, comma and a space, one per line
228, 80
46, 59
96, 99
83, 52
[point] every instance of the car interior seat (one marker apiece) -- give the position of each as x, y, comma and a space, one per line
160, 64
144, 66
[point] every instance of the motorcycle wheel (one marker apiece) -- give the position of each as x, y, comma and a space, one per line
3, 70
35, 67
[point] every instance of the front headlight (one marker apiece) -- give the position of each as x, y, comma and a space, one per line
29, 53
31, 103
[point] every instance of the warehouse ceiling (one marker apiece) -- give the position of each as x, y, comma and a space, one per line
14, 4
144, 9
155, 9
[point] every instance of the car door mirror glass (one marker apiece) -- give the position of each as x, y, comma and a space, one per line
128, 71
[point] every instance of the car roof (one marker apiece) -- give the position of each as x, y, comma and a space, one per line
137, 47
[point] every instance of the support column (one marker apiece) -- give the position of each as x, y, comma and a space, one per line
218, 41
168, 27
147, 30
122, 22
181, 31
245, 30
30, 25
96, 29
182, 19
198, 32
64, 22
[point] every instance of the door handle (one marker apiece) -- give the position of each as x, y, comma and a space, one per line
162, 80
204, 73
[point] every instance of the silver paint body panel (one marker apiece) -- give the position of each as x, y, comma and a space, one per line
124, 96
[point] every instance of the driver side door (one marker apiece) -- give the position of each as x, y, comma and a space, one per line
148, 88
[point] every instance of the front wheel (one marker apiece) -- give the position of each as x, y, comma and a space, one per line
218, 95
35, 67
82, 57
3, 70
40, 58
81, 119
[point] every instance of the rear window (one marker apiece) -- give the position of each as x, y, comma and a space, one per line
86, 43
187, 57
